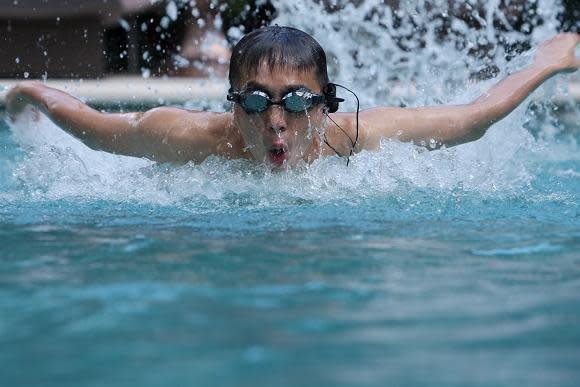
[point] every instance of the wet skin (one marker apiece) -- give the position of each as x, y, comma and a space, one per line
280, 138
275, 135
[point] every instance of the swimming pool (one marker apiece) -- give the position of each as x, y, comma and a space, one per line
406, 268
452, 267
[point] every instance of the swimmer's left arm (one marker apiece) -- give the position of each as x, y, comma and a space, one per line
453, 125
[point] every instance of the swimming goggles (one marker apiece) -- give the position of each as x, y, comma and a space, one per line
257, 101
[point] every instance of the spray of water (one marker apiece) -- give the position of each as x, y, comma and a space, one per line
389, 57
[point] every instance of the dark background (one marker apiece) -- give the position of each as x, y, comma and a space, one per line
81, 38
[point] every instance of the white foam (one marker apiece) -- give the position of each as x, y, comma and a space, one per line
56, 165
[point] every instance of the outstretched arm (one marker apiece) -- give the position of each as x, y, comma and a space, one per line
453, 125
162, 134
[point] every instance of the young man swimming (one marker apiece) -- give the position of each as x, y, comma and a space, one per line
284, 109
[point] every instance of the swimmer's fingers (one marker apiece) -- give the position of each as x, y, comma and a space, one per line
35, 114
16, 100
575, 43
575, 59
576, 49
14, 104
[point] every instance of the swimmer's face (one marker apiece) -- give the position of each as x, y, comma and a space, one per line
277, 136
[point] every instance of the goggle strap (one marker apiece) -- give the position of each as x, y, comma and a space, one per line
333, 99
233, 96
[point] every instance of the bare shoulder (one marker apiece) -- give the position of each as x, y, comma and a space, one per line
190, 135
340, 133
187, 120
373, 124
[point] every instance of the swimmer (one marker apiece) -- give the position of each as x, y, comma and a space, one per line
284, 109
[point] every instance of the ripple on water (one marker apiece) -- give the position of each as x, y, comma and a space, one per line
540, 248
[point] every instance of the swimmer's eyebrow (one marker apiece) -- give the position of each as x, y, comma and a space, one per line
252, 85
291, 88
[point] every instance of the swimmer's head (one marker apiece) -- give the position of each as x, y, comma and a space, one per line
280, 49
273, 62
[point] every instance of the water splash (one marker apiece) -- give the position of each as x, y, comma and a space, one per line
390, 58
56, 166
419, 53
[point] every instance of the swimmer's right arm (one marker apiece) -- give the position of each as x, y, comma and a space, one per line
162, 134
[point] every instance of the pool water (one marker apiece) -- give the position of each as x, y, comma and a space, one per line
454, 267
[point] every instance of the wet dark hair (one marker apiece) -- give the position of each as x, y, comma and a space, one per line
280, 48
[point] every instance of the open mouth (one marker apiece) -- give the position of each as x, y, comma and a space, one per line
278, 155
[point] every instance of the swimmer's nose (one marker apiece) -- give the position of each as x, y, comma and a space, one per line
276, 119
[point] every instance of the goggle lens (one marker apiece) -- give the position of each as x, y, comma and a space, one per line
254, 103
294, 102
297, 103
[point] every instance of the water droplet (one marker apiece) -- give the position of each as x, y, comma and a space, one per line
26, 74
164, 22
17, 60
124, 24
171, 10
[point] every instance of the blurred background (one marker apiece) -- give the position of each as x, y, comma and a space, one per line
149, 38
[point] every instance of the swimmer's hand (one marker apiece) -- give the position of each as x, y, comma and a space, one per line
558, 53
17, 100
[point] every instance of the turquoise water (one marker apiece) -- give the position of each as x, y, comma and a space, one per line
456, 267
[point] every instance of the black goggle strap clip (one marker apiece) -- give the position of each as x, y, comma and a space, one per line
233, 96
